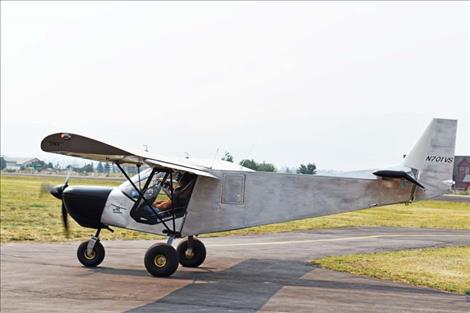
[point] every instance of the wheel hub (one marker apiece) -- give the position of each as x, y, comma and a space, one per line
89, 256
160, 260
189, 253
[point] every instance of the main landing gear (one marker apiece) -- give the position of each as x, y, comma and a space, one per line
161, 259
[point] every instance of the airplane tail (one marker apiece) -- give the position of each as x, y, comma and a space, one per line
432, 157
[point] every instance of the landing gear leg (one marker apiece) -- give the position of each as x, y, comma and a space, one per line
91, 252
191, 252
170, 240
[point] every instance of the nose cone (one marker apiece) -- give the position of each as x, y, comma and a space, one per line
56, 191
85, 204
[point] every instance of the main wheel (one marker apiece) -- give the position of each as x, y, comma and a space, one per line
192, 258
94, 258
161, 260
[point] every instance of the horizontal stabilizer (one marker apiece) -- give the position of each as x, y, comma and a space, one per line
398, 174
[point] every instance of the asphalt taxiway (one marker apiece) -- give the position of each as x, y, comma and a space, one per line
266, 273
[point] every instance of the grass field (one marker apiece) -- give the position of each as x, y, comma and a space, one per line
25, 216
445, 268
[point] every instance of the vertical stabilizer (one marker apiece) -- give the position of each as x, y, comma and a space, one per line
433, 157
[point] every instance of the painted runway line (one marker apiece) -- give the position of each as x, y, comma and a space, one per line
333, 239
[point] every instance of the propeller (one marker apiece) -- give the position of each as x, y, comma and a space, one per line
57, 192
65, 221
45, 189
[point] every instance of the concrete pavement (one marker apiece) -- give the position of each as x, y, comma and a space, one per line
267, 273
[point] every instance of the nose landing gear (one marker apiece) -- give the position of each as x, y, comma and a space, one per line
91, 252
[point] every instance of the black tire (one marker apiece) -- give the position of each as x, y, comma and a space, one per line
196, 258
90, 260
161, 260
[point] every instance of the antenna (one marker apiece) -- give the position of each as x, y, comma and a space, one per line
215, 156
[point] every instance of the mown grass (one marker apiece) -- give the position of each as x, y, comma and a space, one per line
26, 216
446, 268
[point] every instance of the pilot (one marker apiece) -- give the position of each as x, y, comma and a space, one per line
181, 194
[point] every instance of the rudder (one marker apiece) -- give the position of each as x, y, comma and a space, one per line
432, 157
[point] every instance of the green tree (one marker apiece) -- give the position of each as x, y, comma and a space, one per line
37, 165
266, 167
107, 168
249, 164
261, 167
228, 157
100, 168
3, 163
88, 168
308, 169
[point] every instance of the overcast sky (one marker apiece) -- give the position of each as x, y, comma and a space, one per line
345, 85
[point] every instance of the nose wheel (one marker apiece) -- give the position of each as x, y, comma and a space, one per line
90, 257
91, 252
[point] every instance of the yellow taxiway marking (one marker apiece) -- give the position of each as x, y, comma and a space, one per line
333, 239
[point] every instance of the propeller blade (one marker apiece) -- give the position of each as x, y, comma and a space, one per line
45, 189
66, 182
65, 220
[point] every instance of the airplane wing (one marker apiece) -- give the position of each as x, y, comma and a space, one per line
163, 164
87, 148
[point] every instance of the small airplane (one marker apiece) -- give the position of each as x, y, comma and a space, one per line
204, 196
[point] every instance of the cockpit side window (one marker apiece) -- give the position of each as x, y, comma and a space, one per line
159, 187
183, 192
166, 196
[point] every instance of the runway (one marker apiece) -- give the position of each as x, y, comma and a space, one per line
262, 273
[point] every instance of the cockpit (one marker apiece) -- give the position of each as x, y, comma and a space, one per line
158, 195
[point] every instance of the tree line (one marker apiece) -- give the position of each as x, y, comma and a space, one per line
106, 168
100, 167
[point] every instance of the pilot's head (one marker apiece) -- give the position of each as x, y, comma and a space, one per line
185, 179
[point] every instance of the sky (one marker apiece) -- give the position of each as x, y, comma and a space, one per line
346, 85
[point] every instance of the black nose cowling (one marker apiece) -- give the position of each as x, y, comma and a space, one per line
56, 191
85, 204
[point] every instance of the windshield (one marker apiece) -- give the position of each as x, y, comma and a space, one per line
159, 182
135, 179
139, 181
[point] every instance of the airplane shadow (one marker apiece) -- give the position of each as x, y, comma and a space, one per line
246, 286
141, 273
